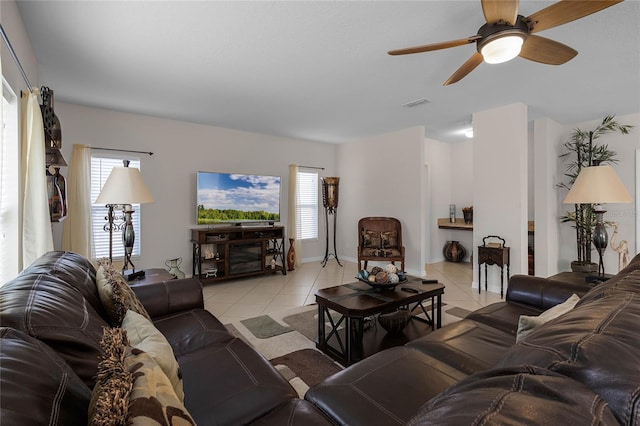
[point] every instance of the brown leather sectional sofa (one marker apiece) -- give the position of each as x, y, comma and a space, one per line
581, 368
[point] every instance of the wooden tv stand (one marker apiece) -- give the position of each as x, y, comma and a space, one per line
221, 253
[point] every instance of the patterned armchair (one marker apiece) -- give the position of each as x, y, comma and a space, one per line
380, 239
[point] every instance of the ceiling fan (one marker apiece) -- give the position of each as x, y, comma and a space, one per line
507, 34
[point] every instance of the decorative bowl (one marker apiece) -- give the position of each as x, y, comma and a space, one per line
382, 286
394, 322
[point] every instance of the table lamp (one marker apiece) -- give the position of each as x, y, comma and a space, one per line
124, 187
598, 185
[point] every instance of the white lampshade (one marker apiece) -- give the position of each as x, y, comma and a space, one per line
502, 49
598, 185
124, 186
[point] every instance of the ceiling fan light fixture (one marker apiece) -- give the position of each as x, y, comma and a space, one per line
502, 49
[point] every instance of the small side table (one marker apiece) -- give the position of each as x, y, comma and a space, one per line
492, 255
153, 276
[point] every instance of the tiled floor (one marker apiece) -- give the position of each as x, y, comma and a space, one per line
239, 299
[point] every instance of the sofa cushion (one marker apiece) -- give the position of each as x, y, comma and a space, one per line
145, 336
516, 396
467, 345
36, 385
44, 307
528, 323
115, 294
231, 384
192, 330
503, 315
596, 343
386, 388
296, 412
74, 270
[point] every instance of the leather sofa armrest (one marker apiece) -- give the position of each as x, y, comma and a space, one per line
170, 296
542, 293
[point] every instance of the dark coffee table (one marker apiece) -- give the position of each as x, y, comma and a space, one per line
356, 301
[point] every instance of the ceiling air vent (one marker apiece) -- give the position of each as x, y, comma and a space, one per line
416, 102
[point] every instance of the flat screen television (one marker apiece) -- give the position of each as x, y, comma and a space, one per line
233, 197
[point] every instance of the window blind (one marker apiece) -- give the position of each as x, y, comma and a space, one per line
100, 171
307, 205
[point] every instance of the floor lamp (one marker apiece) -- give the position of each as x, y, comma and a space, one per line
598, 185
124, 187
330, 202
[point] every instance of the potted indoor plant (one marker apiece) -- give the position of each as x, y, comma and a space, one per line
584, 151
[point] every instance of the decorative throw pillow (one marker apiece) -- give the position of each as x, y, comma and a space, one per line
132, 389
527, 324
110, 397
153, 400
370, 239
389, 239
145, 336
115, 294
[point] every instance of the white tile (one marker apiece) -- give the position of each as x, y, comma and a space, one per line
256, 299
289, 299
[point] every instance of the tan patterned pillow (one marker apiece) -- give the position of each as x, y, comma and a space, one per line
389, 239
132, 389
115, 294
109, 403
153, 400
370, 239
145, 336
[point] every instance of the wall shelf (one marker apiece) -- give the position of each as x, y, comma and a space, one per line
444, 223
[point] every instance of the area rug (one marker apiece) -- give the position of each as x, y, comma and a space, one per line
306, 322
264, 327
293, 355
310, 365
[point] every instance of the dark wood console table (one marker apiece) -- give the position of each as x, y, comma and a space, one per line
489, 254
225, 252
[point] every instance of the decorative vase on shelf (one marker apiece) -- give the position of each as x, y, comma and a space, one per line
467, 212
291, 255
174, 267
453, 251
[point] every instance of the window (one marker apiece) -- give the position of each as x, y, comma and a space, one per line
9, 185
307, 206
100, 170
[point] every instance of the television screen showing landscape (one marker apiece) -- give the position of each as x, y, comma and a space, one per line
232, 197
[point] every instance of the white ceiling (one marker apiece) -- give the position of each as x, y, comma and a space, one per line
318, 70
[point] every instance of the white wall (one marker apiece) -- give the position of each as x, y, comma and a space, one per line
500, 184
14, 28
450, 179
180, 150
384, 176
625, 214
15, 31
547, 141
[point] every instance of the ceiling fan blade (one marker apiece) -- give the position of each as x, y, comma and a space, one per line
435, 46
466, 68
500, 10
546, 51
566, 11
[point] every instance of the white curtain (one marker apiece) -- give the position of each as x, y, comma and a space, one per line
76, 229
293, 218
37, 236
